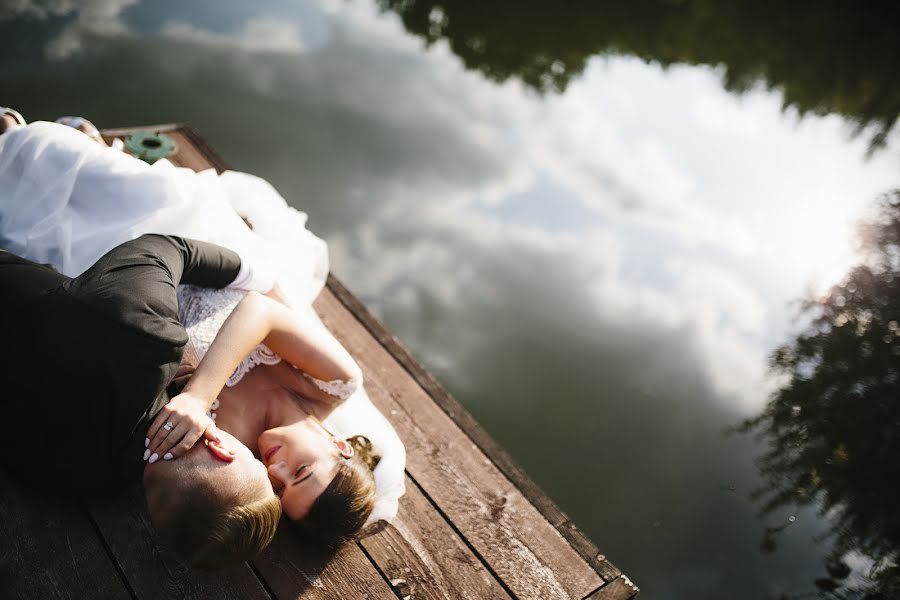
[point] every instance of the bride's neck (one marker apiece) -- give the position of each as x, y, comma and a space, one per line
260, 402
286, 407
242, 413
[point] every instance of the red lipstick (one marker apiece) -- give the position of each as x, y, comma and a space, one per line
271, 451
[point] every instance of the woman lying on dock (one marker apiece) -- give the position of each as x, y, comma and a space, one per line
66, 200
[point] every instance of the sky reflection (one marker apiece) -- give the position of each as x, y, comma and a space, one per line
598, 275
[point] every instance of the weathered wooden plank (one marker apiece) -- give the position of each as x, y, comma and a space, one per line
151, 571
50, 550
213, 158
526, 552
113, 132
496, 453
425, 559
293, 569
619, 588
187, 154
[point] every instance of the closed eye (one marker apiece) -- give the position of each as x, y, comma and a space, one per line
307, 474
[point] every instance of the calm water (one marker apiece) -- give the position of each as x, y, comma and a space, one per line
594, 227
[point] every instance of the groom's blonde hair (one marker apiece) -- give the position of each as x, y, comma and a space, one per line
214, 520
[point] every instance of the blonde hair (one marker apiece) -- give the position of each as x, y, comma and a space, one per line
216, 524
342, 510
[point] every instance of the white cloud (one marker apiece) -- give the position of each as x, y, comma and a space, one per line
88, 17
582, 147
564, 137
478, 271
262, 34
86, 10
259, 34
718, 319
719, 295
725, 115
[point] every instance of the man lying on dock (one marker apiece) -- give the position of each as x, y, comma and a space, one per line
87, 364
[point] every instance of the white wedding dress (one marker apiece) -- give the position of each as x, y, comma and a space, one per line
66, 200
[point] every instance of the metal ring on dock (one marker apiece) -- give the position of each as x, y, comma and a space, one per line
150, 146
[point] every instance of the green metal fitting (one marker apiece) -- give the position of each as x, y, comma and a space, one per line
150, 146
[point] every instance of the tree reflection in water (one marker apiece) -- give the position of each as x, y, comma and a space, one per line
825, 57
832, 430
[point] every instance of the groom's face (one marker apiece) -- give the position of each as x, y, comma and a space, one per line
236, 455
190, 496
211, 463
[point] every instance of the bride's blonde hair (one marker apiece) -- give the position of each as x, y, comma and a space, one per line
341, 511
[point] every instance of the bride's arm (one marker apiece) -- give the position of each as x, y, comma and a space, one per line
297, 338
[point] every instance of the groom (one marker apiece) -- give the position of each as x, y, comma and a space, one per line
87, 364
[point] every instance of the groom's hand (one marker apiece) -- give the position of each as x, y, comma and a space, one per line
177, 428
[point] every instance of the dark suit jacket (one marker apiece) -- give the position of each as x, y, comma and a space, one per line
86, 360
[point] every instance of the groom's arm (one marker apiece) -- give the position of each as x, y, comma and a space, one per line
134, 283
211, 265
200, 263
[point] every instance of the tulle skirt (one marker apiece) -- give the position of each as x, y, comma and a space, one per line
66, 200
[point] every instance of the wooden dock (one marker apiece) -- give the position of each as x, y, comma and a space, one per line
471, 525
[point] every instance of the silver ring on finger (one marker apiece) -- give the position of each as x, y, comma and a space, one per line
168, 426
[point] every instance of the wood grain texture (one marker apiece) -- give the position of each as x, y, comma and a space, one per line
152, 572
525, 551
186, 153
293, 569
425, 559
619, 588
113, 132
212, 158
51, 550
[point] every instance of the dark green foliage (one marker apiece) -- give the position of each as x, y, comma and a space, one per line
833, 428
825, 56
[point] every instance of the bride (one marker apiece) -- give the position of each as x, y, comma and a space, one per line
295, 396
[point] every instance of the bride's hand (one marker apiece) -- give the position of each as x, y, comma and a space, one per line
177, 428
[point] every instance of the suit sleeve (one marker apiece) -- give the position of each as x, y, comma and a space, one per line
135, 283
202, 263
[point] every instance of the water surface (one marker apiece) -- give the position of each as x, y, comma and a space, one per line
593, 226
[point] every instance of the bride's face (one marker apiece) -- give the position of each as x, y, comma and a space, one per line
302, 459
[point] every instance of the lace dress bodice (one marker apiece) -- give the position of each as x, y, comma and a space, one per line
202, 312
